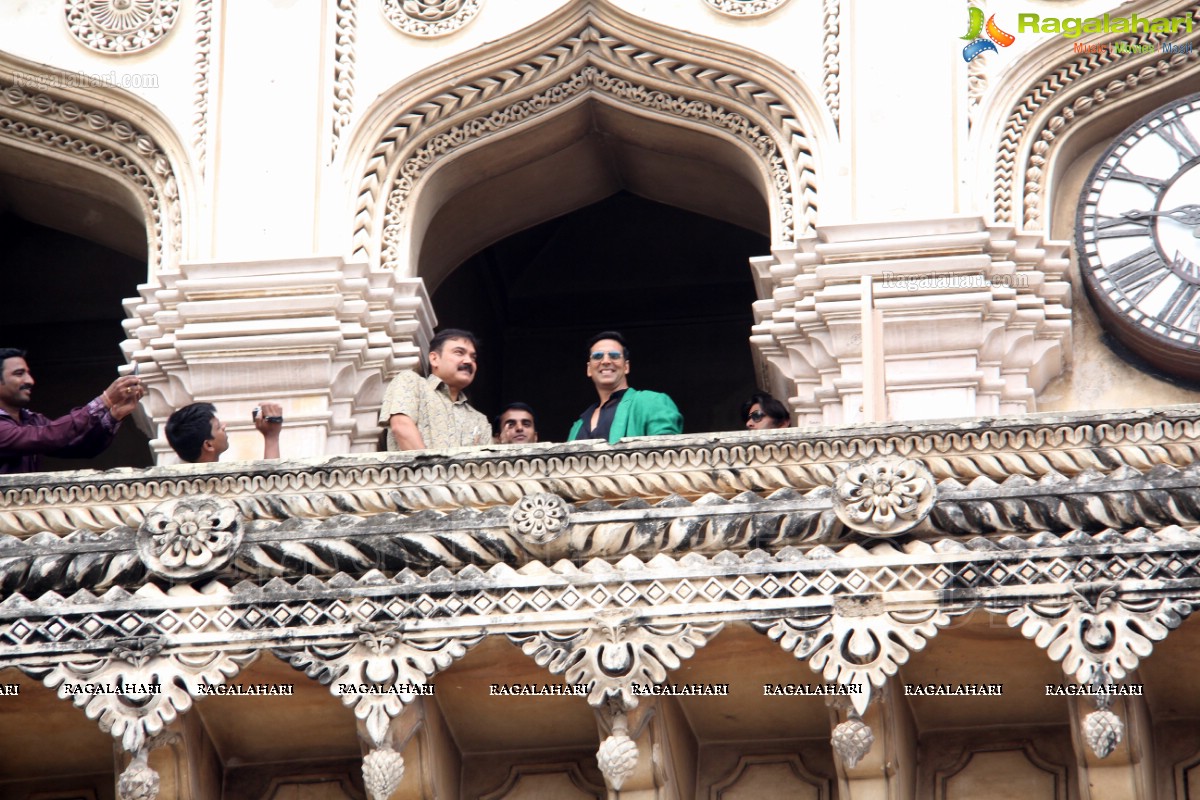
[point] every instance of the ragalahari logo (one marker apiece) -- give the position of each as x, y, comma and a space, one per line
978, 44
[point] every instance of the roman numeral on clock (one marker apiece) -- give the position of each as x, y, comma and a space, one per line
1180, 305
1153, 184
1180, 137
1139, 274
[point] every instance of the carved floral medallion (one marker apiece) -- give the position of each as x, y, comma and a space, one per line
430, 18
883, 496
539, 518
744, 8
121, 26
189, 537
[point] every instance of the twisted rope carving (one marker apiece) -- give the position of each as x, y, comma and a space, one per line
343, 69
200, 84
831, 20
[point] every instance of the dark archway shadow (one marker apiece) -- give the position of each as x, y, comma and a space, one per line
63, 304
676, 283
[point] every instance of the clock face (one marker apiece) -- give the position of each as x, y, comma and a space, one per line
1138, 237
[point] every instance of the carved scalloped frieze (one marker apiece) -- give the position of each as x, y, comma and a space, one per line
430, 18
379, 672
1041, 116
860, 645
1098, 635
67, 129
136, 689
615, 653
120, 26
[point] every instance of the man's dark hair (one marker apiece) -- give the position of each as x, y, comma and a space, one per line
767, 405
511, 407
614, 335
7, 353
188, 428
441, 337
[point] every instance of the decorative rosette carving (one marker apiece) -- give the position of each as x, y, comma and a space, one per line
190, 537
383, 768
884, 496
852, 740
744, 8
539, 518
121, 26
430, 17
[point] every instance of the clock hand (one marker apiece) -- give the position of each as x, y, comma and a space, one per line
1187, 214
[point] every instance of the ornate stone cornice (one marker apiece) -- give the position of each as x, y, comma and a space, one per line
1052, 447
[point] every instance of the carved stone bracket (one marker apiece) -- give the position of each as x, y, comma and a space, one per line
138, 781
616, 653
316, 322
808, 336
860, 644
884, 496
1096, 634
190, 537
378, 673
138, 689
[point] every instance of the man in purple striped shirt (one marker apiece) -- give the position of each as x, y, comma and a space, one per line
85, 432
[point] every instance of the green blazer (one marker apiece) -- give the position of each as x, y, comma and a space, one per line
640, 413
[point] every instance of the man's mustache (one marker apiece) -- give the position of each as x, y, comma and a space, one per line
469, 368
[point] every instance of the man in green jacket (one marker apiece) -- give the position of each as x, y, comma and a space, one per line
621, 411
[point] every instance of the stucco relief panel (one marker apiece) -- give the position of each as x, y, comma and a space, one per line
121, 26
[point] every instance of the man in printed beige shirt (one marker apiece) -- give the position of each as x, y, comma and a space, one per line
433, 413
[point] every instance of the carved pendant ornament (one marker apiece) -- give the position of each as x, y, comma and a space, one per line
744, 8
190, 537
430, 18
121, 26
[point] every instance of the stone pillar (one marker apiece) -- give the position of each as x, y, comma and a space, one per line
318, 335
976, 320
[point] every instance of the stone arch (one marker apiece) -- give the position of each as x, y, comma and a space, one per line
104, 133
1055, 103
589, 50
